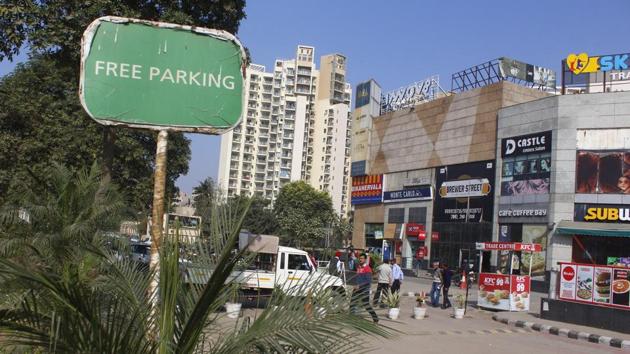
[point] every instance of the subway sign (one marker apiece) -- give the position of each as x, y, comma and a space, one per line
582, 63
602, 213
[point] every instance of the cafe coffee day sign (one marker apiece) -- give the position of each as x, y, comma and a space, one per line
159, 76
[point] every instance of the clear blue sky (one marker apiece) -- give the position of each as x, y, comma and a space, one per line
398, 42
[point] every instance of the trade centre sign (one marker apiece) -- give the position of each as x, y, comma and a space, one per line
582, 64
155, 75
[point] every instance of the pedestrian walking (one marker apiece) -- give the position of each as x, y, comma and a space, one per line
436, 286
384, 280
397, 276
447, 276
361, 294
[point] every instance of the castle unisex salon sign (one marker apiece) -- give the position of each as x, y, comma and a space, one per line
156, 75
526, 144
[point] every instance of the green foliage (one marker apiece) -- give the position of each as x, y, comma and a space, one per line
304, 214
203, 199
392, 299
56, 27
41, 119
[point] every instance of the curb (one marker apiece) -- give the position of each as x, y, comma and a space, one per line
564, 332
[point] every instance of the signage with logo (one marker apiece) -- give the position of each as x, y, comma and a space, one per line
465, 188
414, 229
155, 75
435, 236
357, 168
527, 72
567, 281
367, 189
582, 63
363, 94
508, 246
494, 291
407, 195
602, 213
597, 285
526, 144
519, 292
524, 211
410, 95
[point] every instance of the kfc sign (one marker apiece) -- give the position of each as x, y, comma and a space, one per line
508, 246
414, 229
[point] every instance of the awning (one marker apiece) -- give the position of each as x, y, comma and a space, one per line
566, 227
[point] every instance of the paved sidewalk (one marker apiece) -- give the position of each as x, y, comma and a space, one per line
569, 330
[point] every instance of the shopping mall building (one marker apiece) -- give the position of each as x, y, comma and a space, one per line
502, 156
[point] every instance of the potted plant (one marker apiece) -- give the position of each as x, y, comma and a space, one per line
233, 307
392, 299
419, 311
459, 306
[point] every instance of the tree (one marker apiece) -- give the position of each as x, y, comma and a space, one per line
99, 302
204, 197
304, 214
260, 218
41, 119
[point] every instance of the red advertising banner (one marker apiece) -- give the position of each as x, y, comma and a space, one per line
367, 189
435, 236
494, 291
508, 246
519, 292
414, 229
568, 274
593, 284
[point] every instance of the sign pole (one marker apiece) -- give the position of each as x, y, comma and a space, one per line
159, 186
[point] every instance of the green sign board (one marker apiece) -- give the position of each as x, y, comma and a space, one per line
161, 76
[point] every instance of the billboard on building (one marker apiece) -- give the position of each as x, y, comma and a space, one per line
367, 189
526, 167
478, 201
603, 172
363, 94
527, 72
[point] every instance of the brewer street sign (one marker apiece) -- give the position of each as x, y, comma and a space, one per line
159, 76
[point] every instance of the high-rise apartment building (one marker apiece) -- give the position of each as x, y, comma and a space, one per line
296, 126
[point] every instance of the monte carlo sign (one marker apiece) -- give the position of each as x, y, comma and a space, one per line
159, 76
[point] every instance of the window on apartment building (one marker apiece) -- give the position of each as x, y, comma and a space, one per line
396, 216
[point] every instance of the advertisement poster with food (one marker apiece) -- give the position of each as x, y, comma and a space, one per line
621, 287
584, 283
494, 291
519, 289
602, 285
567, 281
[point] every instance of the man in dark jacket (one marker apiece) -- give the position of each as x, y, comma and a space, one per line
447, 275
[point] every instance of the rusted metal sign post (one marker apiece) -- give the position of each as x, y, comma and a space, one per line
163, 77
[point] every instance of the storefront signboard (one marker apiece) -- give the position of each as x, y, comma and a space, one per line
582, 63
536, 143
435, 236
408, 195
597, 285
413, 229
367, 189
609, 213
508, 246
455, 205
465, 188
524, 211
422, 235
